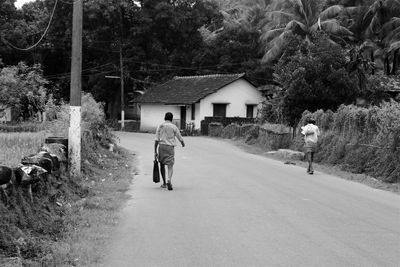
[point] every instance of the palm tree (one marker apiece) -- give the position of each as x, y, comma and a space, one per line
382, 30
303, 18
233, 17
254, 11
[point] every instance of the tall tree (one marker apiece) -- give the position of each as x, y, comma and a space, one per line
302, 18
382, 23
313, 76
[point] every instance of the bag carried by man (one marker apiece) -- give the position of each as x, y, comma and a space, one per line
156, 172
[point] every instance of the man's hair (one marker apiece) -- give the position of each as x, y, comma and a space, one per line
311, 120
168, 116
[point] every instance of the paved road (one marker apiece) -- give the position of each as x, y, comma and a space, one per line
230, 208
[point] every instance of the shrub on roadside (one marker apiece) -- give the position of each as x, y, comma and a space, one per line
230, 131
215, 129
94, 131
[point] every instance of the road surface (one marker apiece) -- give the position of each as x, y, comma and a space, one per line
231, 208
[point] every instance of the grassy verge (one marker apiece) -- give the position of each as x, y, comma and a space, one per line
69, 221
325, 168
91, 220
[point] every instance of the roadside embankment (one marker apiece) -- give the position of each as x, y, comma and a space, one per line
48, 218
362, 141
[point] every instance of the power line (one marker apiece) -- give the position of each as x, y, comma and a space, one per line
41, 38
69, 3
84, 70
83, 75
180, 67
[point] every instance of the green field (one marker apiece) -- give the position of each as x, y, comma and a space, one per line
14, 146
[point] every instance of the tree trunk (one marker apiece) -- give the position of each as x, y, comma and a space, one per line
373, 61
387, 66
394, 67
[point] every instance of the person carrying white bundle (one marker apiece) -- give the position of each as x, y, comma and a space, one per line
311, 133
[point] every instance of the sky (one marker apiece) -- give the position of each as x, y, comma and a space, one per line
19, 3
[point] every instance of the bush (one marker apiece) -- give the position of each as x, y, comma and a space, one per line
271, 111
231, 131
274, 136
23, 88
51, 108
215, 129
95, 131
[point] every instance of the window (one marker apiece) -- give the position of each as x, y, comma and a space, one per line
219, 110
250, 111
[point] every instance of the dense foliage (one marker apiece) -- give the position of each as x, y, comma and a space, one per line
23, 88
313, 76
157, 40
161, 39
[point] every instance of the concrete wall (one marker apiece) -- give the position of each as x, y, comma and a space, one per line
236, 95
152, 115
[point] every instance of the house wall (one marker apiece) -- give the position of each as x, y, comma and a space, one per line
5, 115
237, 95
196, 120
152, 115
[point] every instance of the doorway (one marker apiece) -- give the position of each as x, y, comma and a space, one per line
183, 118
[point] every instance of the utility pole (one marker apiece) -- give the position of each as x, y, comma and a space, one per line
121, 65
74, 133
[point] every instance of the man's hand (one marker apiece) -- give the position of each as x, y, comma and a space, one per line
155, 149
183, 144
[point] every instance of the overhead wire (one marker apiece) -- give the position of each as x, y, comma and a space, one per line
41, 38
69, 3
69, 76
84, 70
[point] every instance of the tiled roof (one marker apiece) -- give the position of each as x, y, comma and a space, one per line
188, 89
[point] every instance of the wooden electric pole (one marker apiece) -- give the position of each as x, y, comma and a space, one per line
74, 134
121, 65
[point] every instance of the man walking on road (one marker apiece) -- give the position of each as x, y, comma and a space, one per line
165, 142
311, 133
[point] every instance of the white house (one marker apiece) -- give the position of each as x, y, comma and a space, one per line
5, 114
192, 98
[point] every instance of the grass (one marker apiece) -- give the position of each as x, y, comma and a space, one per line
91, 220
87, 210
71, 221
15, 146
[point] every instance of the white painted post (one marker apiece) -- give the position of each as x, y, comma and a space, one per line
74, 141
74, 133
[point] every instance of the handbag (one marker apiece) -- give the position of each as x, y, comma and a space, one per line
156, 172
